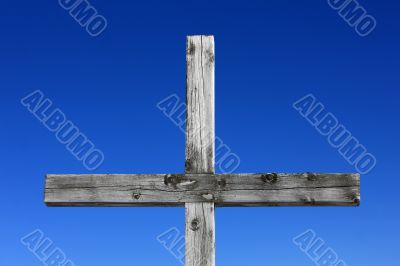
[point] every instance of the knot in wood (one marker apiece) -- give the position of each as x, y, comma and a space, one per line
195, 224
221, 183
191, 49
210, 56
270, 178
172, 180
311, 177
188, 166
356, 199
136, 195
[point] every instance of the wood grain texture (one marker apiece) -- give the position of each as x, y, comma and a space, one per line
200, 189
200, 234
269, 189
200, 134
200, 151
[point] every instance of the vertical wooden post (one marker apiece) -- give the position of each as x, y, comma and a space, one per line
200, 151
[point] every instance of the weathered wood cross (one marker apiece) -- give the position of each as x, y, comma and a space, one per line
200, 189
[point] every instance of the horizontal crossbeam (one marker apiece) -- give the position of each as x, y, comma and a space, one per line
270, 189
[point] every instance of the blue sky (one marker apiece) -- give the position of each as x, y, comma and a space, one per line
269, 54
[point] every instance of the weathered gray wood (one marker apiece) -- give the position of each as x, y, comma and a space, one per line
200, 234
200, 239
200, 105
199, 188
267, 189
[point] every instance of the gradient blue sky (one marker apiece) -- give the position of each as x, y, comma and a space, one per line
268, 55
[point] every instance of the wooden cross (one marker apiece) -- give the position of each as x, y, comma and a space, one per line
199, 188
